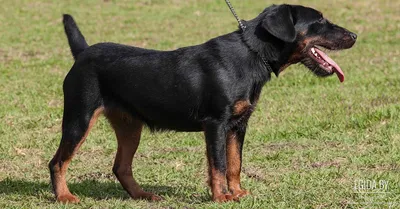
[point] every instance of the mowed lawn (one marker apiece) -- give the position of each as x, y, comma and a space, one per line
311, 142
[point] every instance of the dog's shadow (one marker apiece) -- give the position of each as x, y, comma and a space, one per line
96, 190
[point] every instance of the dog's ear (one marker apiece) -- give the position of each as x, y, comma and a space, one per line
279, 22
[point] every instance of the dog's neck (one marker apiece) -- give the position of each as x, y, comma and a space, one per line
264, 44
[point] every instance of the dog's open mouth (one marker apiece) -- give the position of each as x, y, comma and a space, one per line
326, 63
320, 63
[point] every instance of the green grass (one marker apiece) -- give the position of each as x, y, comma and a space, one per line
309, 140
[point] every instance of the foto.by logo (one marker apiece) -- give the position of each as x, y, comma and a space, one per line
371, 186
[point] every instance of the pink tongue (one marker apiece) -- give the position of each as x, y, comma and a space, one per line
335, 66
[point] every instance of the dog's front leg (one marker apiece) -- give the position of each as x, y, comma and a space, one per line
215, 134
234, 140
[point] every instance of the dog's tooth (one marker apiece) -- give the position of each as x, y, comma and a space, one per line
313, 50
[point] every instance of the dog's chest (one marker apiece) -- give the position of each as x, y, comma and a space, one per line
241, 112
240, 107
244, 107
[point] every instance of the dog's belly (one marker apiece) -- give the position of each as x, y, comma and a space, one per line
168, 118
180, 126
165, 111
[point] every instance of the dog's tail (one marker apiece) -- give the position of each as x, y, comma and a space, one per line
76, 40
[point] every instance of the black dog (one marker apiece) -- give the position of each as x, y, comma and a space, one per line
212, 87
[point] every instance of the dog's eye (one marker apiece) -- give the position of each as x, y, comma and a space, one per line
321, 20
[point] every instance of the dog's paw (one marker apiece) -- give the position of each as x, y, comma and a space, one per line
147, 196
225, 198
240, 193
67, 198
155, 198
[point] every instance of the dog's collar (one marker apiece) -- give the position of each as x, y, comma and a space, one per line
243, 27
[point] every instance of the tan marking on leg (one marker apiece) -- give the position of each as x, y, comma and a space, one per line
218, 187
217, 182
128, 131
234, 166
240, 107
60, 169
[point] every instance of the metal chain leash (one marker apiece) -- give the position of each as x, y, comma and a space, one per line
266, 63
243, 27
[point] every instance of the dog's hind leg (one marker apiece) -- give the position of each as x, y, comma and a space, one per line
82, 106
128, 131
76, 126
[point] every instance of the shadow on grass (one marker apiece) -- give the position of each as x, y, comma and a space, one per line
93, 189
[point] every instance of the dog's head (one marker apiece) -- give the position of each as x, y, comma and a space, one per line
304, 31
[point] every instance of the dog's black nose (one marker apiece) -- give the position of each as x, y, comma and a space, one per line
353, 36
